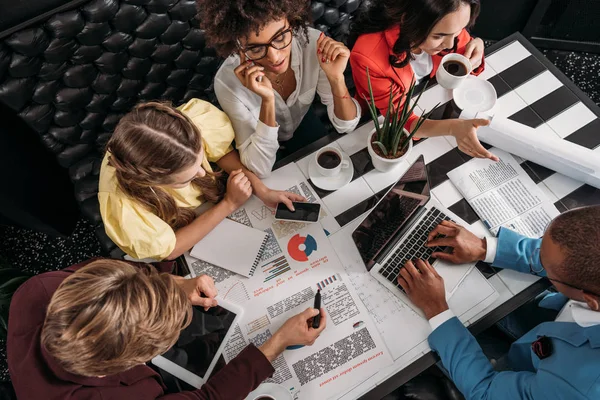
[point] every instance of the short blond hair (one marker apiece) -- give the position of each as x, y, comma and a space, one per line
110, 316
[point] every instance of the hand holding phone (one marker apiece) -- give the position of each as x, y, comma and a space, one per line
303, 212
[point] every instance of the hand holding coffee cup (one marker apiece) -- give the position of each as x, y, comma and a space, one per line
453, 70
330, 161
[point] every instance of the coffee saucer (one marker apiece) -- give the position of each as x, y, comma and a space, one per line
475, 94
331, 182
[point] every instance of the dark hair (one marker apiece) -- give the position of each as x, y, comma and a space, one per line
415, 17
577, 232
224, 22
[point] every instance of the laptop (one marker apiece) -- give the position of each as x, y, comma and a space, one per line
396, 231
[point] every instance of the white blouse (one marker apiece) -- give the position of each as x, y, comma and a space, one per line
422, 66
257, 142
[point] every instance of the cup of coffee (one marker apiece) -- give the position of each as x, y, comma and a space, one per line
330, 161
453, 70
264, 397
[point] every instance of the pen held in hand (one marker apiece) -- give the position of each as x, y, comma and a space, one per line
317, 318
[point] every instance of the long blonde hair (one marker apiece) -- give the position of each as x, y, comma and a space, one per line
110, 316
149, 145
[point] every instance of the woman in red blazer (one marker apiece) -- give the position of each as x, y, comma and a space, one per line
402, 40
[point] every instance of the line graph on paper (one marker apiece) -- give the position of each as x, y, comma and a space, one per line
236, 292
387, 310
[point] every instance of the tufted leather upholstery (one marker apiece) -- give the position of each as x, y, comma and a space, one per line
72, 76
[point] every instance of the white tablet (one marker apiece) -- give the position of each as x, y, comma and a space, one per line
199, 347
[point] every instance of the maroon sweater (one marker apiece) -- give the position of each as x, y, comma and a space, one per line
36, 375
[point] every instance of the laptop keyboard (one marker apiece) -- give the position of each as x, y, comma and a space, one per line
413, 247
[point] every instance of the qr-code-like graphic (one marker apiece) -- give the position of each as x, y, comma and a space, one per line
271, 247
306, 192
339, 304
285, 228
282, 369
235, 345
263, 213
241, 216
291, 302
217, 273
328, 359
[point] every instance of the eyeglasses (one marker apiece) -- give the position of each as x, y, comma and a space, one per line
536, 270
257, 51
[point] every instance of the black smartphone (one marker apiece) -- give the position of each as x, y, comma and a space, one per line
305, 212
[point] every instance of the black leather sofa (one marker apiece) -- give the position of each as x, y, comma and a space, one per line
71, 69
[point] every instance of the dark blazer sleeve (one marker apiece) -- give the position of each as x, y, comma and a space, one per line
238, 378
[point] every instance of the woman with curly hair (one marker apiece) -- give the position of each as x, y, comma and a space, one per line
402, 40
157, 172
276, 66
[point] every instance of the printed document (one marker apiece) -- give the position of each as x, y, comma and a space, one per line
503, 195
298, 259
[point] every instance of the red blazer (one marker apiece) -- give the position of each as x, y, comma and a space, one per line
35, 374
373, 50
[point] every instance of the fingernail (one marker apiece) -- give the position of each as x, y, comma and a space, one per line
323, 59
318, 51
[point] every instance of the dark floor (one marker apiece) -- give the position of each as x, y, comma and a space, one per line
36, 252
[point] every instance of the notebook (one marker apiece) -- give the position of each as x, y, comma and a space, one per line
233, 246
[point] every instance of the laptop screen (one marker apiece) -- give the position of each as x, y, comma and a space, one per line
392, 212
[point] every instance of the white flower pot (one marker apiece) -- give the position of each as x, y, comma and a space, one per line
386, 164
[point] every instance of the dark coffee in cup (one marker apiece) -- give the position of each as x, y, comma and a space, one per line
329, 159
456, 68
265, 398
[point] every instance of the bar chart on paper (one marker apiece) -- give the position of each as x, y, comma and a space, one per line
275, 268
328, 281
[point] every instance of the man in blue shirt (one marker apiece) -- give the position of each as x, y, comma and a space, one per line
555, 360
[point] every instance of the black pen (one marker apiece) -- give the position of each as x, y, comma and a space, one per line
317, 318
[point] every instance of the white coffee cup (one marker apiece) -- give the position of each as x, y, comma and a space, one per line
445, 78
330, 161
264, 397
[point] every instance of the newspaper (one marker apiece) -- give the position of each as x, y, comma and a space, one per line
503, 195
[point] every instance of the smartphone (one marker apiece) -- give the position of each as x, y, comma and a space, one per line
305, 212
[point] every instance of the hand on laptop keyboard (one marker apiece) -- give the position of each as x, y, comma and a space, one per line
424, 287
414, 246
466, 247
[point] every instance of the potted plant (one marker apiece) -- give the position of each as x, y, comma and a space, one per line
390, 143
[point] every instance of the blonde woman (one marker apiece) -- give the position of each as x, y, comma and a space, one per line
87, 331
157, 172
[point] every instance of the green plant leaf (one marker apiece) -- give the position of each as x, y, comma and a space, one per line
386, 122
407, 98
371, 104
382, 147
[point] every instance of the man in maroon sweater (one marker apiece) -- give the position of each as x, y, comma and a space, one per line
86, 332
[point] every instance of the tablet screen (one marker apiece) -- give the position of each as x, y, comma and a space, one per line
198, 343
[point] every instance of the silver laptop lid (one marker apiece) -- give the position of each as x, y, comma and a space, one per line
392, 212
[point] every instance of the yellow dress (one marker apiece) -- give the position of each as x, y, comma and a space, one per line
136, 230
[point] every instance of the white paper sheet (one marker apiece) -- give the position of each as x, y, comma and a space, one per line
298, 261
503, 195
559, 155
